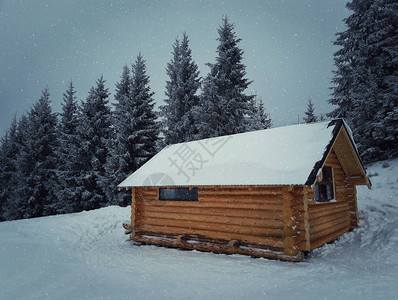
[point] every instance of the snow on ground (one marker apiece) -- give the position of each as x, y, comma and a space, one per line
87, 256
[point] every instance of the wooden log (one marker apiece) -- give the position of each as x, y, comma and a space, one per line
290, 242
222, 249
303, 232
128, 227
289, 219
327, 212
217, 234
233, 243
328, 218
256, 199
329, 237
353, 223
318, 228
222, 219
133, 206
261, 231
196, 204
153, 193
357, 180
266, 214
206, 239
222, 188
292, 251
181, 238
246, 192
325, 206
330, 230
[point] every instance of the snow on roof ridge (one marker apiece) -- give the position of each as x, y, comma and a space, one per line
253, 131
281, 155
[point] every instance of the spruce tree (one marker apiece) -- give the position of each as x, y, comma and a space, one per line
136, 130
223, 104
265, 119
146, 132
8, 152
181, 88
36, 160
310, 116
94, 131
67, 154
17, 203
257, 118
366, 76
120, 161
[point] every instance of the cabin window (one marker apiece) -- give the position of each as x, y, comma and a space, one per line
324, 190
178, 194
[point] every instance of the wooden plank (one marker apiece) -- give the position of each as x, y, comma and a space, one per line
203, 225
216, 234
217, 248
222, 219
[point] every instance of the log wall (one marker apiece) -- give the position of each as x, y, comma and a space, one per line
329, 220
236, 219
247, 216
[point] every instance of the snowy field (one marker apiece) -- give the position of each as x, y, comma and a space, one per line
87, 256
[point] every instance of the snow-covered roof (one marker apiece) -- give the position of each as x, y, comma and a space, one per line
285, 155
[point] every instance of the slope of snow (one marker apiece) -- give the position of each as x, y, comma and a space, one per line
282, 155
87, 256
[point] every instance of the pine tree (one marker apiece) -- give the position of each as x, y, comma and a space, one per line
36, 159
310, 116
94, 131
136, 130
257, 118
224, 106
146, 130
67, 154
253, 116
366, 88
181, 88
8, 152
265, 119
17, 203
120, 161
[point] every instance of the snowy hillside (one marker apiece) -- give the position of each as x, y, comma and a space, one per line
87, 255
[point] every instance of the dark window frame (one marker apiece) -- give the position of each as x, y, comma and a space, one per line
324, 189
179, 194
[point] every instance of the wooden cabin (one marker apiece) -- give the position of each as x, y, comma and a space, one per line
275, 193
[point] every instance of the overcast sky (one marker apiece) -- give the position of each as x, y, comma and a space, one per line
288, 47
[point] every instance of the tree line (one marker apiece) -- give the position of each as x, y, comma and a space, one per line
53, 163
60, 163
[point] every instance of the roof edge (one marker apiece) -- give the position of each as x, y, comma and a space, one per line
338, 124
